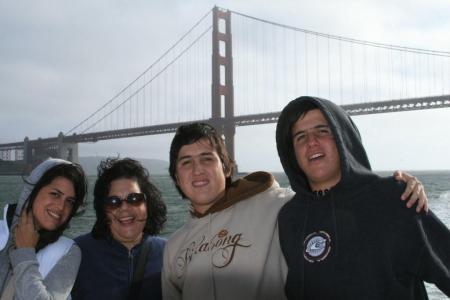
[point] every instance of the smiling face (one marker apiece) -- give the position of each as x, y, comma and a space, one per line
127, 222
315, 150
53, 204
200, 174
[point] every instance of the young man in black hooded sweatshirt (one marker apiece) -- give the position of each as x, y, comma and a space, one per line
343, 236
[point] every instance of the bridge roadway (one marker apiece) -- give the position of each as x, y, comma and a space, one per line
245, 120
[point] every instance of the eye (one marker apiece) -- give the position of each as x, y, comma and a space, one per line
324, 131
185, 163
300, 137
54, 195
208, 158
71, 201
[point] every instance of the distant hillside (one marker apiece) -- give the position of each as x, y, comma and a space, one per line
154, 166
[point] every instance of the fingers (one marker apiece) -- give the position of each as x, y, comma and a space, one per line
25, 232
414, 192
418, 196
422, 203
398, 175
411, 186
26, 219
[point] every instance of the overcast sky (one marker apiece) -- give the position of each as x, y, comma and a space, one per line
60, 60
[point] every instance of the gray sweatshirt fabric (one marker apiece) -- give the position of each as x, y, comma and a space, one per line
29, 283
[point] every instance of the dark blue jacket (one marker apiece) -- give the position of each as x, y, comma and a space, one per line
107, 268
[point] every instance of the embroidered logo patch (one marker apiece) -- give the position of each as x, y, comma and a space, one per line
317, 246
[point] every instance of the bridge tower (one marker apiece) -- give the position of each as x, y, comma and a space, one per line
222, 94
67, 151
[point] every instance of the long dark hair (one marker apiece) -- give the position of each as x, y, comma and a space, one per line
75, 174
127, 168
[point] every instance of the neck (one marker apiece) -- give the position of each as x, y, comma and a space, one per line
323, 185
129, 244
321, 193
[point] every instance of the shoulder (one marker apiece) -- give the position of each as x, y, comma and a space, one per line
274, 195
385, 192
389, 185
73, 255
158, 242
293, 210
86, 241
182, 231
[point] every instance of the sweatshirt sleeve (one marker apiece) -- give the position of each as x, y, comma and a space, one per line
169, 289
435, 258
29, 283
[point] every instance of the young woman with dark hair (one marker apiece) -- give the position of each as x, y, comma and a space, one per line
37, 262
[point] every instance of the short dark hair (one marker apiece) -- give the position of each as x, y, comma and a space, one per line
291, 120
111, 169
191, 133
75, 174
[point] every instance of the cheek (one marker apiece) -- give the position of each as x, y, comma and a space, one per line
67, 212
142, 210
299, 155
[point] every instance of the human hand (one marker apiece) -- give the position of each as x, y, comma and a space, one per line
414, 192
26, 234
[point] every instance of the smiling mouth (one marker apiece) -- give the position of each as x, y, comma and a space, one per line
200, 183
54, 214
125, 220
316, 156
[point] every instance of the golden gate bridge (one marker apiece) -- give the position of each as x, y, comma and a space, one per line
231, 69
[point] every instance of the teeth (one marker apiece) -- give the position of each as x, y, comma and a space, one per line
316, 155
54, 214
199, 183
125, 219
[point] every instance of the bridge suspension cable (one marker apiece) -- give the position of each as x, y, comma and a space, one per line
286, 62
142, 75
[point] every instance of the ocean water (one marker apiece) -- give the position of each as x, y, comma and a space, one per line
437, 185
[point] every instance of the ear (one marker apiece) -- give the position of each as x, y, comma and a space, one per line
226, 171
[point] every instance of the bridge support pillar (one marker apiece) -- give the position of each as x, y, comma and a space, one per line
222, 92
67, 151
27, 156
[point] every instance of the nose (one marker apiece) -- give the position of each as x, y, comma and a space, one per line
311, 139
197, 167
124, 205
60, 203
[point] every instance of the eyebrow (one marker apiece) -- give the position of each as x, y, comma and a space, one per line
314, 127
57, 190
61, 193
201, 154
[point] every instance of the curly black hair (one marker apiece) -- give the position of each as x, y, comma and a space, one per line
112, 169
75, 174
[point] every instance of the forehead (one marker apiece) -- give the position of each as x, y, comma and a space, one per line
123, 186
62, 184
309, 119
199, 147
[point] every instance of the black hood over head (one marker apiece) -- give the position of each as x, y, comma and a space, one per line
348, 141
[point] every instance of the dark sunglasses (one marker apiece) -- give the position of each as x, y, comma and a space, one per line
134, 199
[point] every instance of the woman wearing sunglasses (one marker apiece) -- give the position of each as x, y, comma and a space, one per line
36, 261
122, 259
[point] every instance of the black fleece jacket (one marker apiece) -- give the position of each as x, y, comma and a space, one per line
359, 241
